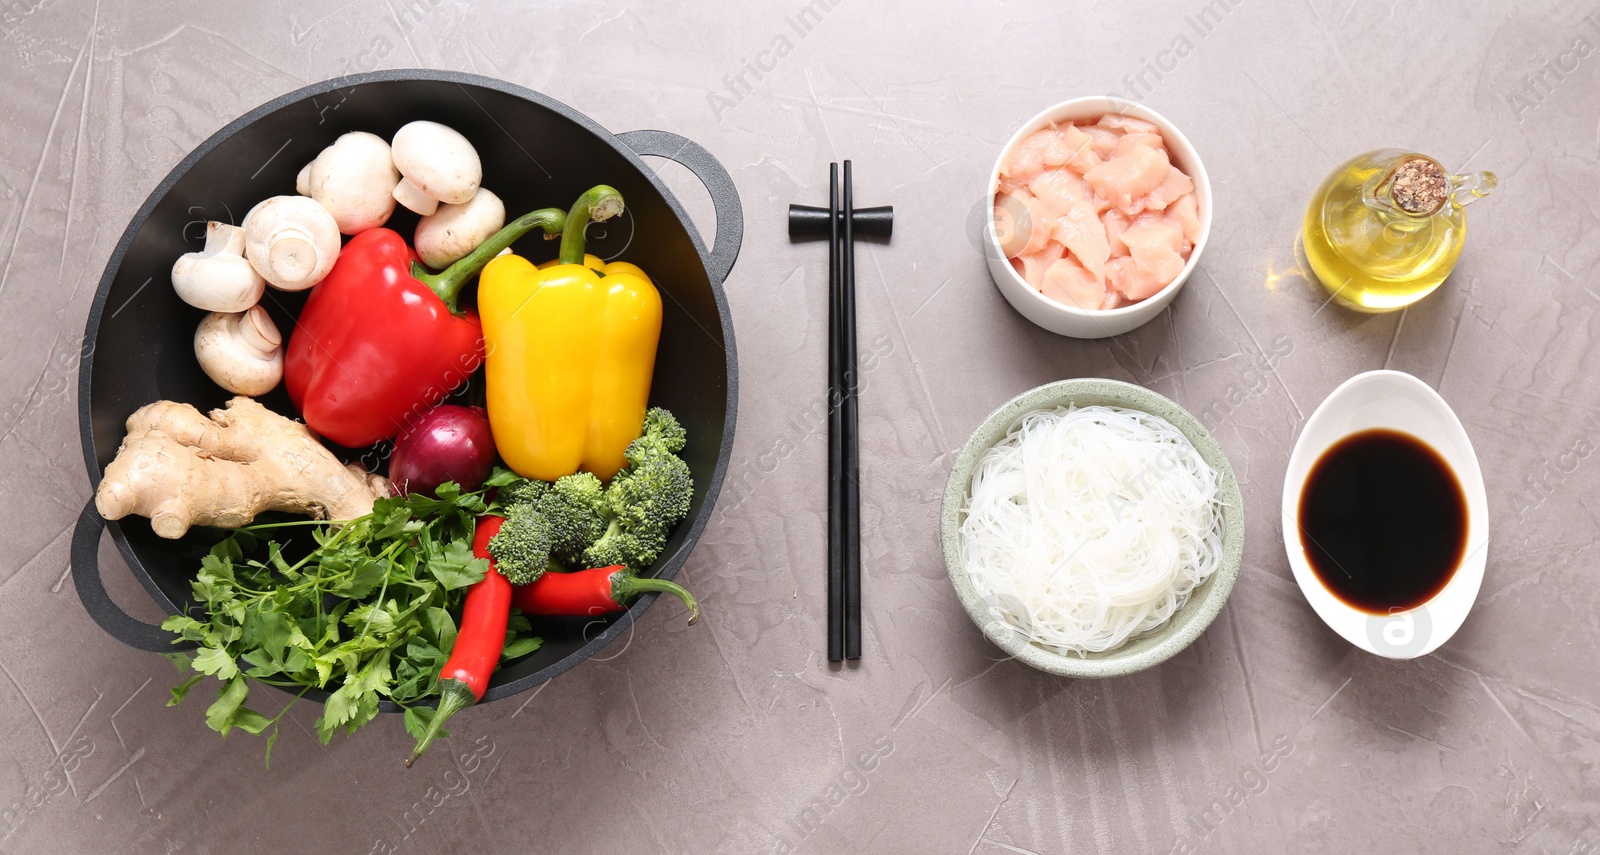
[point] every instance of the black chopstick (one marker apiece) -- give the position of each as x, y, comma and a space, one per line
850, 428
836, 499
842, 225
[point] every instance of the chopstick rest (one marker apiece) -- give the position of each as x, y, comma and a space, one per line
840, 223
809, 221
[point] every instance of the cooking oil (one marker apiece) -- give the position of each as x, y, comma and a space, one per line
1385, 229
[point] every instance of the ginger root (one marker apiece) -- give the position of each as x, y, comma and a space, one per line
180, 468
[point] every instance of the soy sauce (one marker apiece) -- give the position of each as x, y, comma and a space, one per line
1383, 521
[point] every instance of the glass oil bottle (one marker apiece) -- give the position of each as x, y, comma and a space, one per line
1385, 229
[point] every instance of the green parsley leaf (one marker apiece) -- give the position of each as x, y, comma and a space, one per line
181, 691
250, 721
454, 566
216, 662
221, 715
519, 647
187, 627
417, 721
272, 739
441, 628
501, 477
268, 630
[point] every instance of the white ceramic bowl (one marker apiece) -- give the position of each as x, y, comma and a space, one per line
1071, 320
1397, 401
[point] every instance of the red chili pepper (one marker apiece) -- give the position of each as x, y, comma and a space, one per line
479, 641
603, 590
381, 340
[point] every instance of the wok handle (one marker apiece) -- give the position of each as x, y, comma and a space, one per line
92, 592
706, 167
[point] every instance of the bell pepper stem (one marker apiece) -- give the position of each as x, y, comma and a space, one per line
454, 696
598, 204
449, 282
625, 586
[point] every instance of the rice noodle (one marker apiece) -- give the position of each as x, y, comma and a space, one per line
1088, 526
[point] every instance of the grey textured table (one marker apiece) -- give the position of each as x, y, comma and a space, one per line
1270, 734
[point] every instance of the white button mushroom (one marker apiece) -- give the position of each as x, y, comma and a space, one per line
240, 351
437, 165
354, 179
292, 241
218, 278
455, 230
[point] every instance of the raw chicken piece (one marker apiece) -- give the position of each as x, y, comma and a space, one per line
1152, 236
1081, 232
1032, 266
1021, 223
1115, 223
1153, 242
1030, 157
1128, 177
1104, 139
1067, 282
1082, 157
1129, 141
1186, 212
1066, 197
1170, 190
1060, 149
1126, 124
1124, 276
1058, 189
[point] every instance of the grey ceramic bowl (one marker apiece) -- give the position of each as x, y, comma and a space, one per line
1140, 653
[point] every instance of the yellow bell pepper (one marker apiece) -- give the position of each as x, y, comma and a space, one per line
571, 347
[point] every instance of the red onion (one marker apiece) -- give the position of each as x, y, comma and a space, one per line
448, 443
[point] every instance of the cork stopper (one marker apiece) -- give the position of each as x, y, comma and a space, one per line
1420, 186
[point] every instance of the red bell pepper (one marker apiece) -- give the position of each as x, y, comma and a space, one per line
381, 340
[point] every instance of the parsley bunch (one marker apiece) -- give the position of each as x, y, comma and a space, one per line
367, 613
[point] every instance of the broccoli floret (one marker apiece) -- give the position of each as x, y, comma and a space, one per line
635, 550
662, 436
578, 520
546, 524
521, 548
522, 491
572, 507
655, 492
643, 502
